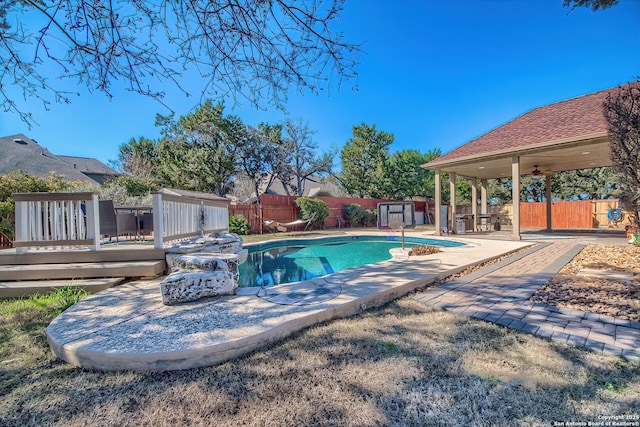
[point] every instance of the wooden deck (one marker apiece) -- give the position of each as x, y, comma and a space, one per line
40, 271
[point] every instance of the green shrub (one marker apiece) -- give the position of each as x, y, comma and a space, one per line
354, 214
239, 224
370, 217
360, 217
7, 217
313, 208
20, 182
135, 186
127, 191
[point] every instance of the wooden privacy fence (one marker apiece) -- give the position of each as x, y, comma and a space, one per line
574, 214
578, 214
284, 209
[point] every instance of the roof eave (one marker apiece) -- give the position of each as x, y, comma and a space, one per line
437, 163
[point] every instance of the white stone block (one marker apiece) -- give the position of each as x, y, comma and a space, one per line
189, 286
203, 267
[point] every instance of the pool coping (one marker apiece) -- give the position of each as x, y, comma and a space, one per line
396, 253
128, 327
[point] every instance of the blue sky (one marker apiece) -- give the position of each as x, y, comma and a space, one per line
436, 74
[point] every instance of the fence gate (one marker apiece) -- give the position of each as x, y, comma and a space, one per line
569, 214
573, 214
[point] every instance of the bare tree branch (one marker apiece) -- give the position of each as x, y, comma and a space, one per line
622, 110
593, 4
251, 49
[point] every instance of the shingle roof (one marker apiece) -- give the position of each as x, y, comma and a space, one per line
88, 164
312, 187
570, 119
19, 153
194, 194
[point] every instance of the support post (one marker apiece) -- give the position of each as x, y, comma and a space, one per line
483, 196
452, 198
158, 221
547, 195
22, 225
515, 196
93, 222
474, 202
438, 200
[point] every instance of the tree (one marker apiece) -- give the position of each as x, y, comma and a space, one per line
579, 184
198, 151
406, 178
463, 189
257, 155
586, 184
532, 188
303, 160
139, 161
277, 164
593, 4
138, 157
622, 110
363, 159
499, 191
249, 49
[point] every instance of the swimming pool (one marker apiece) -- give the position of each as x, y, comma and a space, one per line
287, 261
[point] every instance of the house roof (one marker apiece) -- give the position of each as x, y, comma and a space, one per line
312, 187
88, 165
193, 194
22, 154
579, 118
566, 135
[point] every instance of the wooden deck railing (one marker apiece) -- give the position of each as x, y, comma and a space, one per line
180, 215
56, 220
62, 220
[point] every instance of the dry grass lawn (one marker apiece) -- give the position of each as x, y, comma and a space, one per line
402, 364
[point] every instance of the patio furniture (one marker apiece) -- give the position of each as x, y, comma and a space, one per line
143, 218
114, 224
484, 221
275, 226
145, 223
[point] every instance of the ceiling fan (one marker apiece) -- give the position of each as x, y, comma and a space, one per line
536, 171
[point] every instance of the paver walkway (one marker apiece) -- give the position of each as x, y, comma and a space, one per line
499, 293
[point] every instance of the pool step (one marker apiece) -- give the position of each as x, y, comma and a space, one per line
326, 265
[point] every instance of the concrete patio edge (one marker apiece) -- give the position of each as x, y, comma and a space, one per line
123, 340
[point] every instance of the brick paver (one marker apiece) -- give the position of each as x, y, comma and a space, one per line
500, 293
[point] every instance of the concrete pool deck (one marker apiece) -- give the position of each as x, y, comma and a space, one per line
128, 327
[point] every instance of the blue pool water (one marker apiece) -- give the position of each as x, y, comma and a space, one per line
288, 261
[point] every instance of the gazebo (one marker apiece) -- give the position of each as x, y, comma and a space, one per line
566, 135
